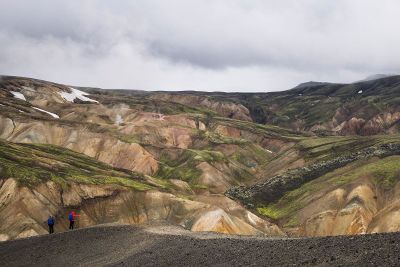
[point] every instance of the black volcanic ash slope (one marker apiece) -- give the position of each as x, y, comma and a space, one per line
133, 246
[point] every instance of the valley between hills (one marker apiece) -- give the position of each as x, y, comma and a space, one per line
316, 160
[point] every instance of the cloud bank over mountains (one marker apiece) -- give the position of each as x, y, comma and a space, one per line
225, 45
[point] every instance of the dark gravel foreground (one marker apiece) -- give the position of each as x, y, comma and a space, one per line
170, 246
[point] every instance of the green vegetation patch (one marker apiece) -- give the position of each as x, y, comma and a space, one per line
32, 164
251, 156
127, 183
184, 167
160, 183
185, 172
217, 138
207, 155
131, 139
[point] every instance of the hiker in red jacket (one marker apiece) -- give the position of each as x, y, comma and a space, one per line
71, 217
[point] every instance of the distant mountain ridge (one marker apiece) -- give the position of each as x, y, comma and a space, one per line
310, 84
375, 77
368, 78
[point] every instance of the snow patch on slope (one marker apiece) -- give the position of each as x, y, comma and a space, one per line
76, 94
252, 218
18, 95
118, 119
51, 114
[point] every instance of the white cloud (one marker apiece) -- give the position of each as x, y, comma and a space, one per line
199, 44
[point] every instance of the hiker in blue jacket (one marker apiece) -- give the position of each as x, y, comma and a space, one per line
50, 223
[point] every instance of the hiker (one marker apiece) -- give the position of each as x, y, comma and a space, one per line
71, 217
50, 223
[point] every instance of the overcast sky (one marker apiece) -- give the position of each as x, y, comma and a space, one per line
211, 45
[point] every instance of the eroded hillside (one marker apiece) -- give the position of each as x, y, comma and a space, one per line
342, 193
186, 158
136, 157
44, 179
362, 108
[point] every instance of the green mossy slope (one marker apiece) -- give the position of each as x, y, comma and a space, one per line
32, 164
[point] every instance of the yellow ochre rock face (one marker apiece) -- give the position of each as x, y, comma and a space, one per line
359, 207
24, 210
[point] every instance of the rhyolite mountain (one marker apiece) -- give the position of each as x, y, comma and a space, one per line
319, 159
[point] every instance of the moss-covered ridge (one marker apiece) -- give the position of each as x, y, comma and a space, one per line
32, 164
313, 149
275, 187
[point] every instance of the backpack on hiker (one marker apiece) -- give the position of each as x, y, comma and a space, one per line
50, 221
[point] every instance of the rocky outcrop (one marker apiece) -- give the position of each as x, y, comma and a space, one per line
275, 187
